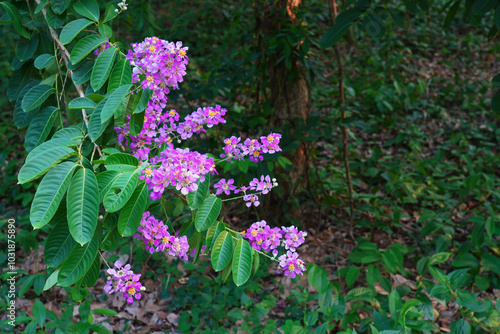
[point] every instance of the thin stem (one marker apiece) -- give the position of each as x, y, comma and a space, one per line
344, 129
102, 257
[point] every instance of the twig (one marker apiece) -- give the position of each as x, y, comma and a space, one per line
66, 56
178, 195
344, 129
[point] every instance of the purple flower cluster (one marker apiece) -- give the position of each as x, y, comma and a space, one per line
253, 148
179, 168
262, 186
153, 233
122, 279
262, 237
224, 186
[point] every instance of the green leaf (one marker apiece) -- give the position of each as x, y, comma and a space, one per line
88, 9
394, 305
481, 7
197, 197
92, 274
50, 193
212, 234
41, 6
51, 281
359, 294
120, 191
242, 262
105, 30
43, 158
36, 96
105, 180
114, 102
142, 100
15, 18
460, 326
121, 75
207, 213
132, 212
222, 251
342, 24
25, 49
122, 162
59, 244
423, 4
82, 74
102, 68
19, 81
72, 29
54, 20
372, 274
491, 262
318, 278
352, 275
110, 13
96, 128
136, 123
451, 14
38, 284
78, 263
473, 303
40, 127
84, 46
39, 313
59, 6
82, 202
105, 311
44, 61
81, 103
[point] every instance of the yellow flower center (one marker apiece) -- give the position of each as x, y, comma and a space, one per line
172, 112
254, 233
131, 291
211, 113
150, 78
291, 267
148, 171
255, 153
169, 139
156, 39
164, 240
227, 142
259, 242
182, 53
145, 118
270, 138
152, 49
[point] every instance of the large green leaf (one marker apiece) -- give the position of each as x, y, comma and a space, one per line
481, 7
15, 18
59, 244
81, 103
196, 198
78, 262
36, 96
44, 61
212, 234
222, 251
121, 75
120, 191
44, 157
25, 48
39, 313
110, 12
114, 102
136, 122
88, 9
84, 46
82, 202
92, 274
207, 213
40, 127
59, 6
142, 100
242, 262
132, 212
50, 193
102, 68
96, 128
122, 162
72, 29
18, 81
105, 180
82, 74
342, 24
51, 280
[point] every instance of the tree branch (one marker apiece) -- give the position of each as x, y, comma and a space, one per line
66, 56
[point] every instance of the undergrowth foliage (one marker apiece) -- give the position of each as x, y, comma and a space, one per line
109, 154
